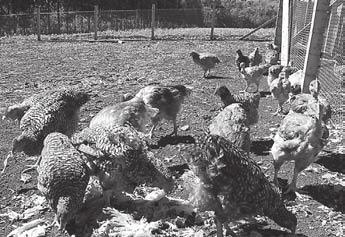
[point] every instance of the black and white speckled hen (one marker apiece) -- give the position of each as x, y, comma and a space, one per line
249, 101
17, 111
62, 178
206, 61
231, 123
233, 185
55, 112
133, 112
167, 99
121, 158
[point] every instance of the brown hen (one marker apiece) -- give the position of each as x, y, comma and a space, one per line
167, 100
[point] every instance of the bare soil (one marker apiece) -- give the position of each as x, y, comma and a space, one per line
111, 69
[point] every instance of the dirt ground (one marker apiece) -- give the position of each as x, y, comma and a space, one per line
111, 69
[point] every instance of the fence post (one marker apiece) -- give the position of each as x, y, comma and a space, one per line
96, 22
213, 21
286, 29
278, 28
153, 14
312, 59
38, 23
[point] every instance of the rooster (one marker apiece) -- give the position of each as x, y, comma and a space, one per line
233, 185
253, 75
167, 100
241, 59
206, 61
255, 58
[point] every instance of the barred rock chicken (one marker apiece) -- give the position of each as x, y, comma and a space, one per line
167, 100
255, 58
233, 185
55, 112
241, 59
280, 89
231, 123
133, 112
121, 159
300, 137
206, 61
249, 101
253, 75
62, 177
272, 54
17, 111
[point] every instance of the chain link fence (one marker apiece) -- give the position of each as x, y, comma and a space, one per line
331, 71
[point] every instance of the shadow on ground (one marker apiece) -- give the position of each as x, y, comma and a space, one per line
172, 140
261, 146
330, 195
332, 161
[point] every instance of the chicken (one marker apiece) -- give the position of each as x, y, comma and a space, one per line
296, 80
280, 89
133, 112
255, 58
300, 137
167, 100
17, 111
233, 185
253, 75
241, 59
62, 177
206, 61
249, 101
231, 123
121, 158
55, 112
305, 103
273, 73
272, 54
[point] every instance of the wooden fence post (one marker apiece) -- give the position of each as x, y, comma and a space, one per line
213, 21
314, 47
278, 28
153, 14
286, 29
38, 23
96, 22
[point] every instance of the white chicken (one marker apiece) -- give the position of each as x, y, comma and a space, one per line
253, 75
280, 89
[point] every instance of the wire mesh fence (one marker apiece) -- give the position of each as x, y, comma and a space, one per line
331, 71
107, 20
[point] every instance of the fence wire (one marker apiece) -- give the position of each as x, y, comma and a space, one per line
108, 20
331, 71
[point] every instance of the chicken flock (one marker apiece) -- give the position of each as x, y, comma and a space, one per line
115, 145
